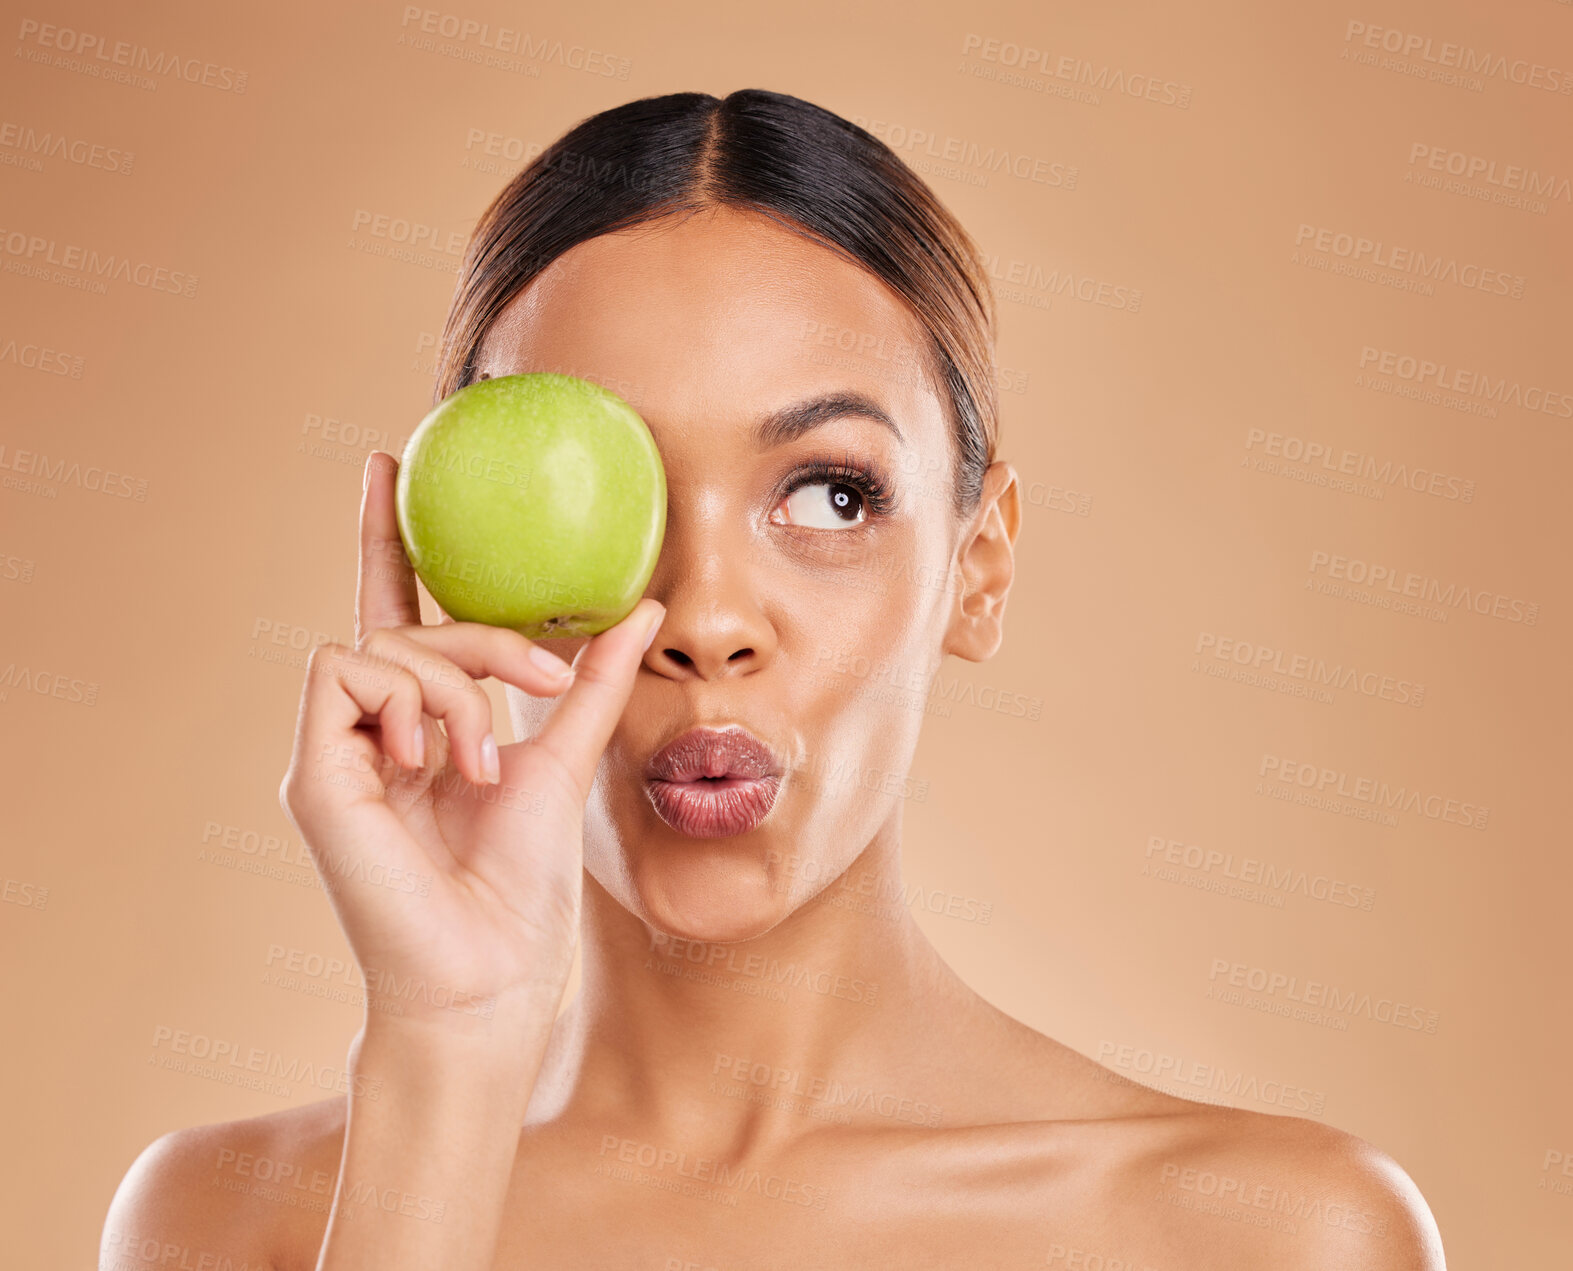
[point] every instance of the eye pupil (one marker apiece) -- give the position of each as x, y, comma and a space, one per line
823, 504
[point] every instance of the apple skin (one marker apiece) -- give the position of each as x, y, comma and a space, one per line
535, 502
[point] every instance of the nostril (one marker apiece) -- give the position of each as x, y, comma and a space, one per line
678, 656
741, 653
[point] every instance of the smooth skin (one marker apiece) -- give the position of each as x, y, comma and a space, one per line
767, 1064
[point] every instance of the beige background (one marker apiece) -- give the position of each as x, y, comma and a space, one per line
1151, 530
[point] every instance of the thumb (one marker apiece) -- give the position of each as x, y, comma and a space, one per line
585, 716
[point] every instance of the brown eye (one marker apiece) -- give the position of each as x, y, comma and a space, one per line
824, 505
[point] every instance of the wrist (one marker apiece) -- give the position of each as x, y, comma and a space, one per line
453, 1088
508, 1039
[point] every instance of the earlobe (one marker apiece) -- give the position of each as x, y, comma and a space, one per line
986, 557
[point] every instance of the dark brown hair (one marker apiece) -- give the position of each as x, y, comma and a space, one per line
786, 158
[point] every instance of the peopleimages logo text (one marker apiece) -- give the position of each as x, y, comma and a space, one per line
1314, 993
1415, 586
1372, 790
1462, 57
1469, 383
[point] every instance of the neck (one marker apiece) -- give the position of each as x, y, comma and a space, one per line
826, 1018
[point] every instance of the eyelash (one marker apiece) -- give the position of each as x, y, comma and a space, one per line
879, 497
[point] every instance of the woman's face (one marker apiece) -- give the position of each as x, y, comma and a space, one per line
811, 569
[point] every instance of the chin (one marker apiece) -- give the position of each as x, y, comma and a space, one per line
712, 891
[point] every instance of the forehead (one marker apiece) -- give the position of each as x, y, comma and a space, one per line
724, 310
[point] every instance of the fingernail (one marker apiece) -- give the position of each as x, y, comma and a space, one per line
489, 765
655, 626
420, 745
549, 662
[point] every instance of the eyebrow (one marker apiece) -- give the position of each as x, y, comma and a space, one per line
791, 422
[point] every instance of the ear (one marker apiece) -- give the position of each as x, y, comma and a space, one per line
987, 558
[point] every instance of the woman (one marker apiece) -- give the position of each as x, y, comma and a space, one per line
755, 1072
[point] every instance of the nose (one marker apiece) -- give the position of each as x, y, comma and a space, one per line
714, 625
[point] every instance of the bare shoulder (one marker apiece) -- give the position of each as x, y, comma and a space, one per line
1136, 1175
236, 1193
1302, 1194
1217, 1186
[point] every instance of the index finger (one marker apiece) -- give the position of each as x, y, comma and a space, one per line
385, 595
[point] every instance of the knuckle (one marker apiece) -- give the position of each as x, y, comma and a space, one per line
327, 652
472, 704
406, 686
438, 675
436, 670
378, 642
324, 663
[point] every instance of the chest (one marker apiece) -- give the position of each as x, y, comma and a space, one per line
638, 1205
908, 1202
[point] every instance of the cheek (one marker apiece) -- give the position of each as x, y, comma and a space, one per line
859, 657
863, 610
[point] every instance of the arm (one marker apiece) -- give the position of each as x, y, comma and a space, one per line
433, 1127
384, 797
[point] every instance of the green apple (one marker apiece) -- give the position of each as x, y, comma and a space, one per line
535, 502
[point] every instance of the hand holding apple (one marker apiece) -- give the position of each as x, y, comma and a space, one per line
450, 858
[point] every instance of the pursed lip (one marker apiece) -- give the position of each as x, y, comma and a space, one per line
713, 782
